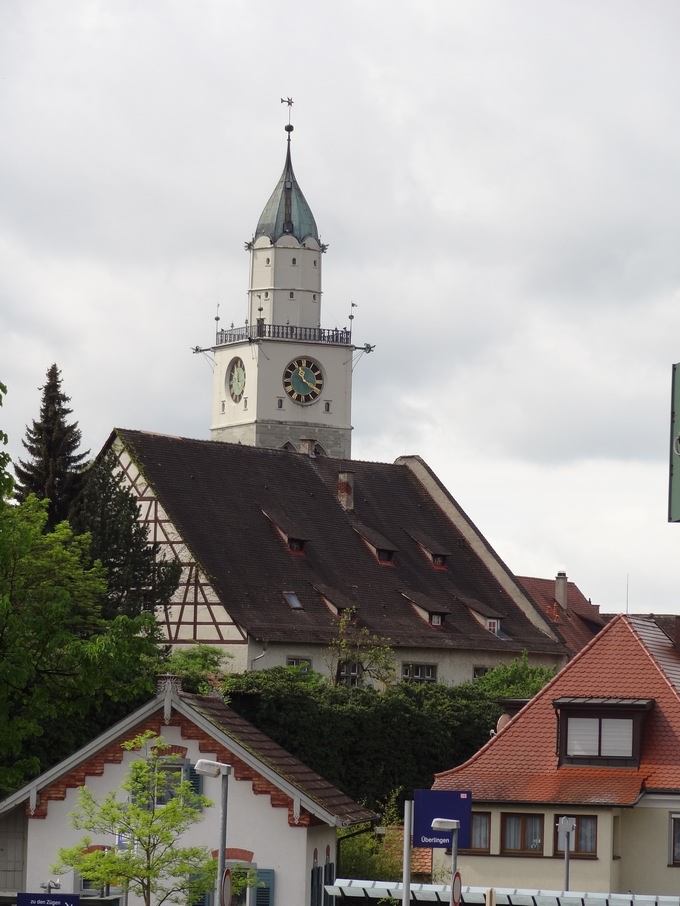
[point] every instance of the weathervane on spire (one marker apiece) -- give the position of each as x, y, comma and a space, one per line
288, 101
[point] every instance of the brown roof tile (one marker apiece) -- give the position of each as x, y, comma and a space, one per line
217, 494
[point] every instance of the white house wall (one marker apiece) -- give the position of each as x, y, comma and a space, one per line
253, 824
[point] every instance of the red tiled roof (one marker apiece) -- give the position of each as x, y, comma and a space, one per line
578, 623
630, 658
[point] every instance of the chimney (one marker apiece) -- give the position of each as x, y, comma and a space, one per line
307, 446
561, 590
346, 490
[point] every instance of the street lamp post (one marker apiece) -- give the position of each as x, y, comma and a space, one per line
218, 769
453, 825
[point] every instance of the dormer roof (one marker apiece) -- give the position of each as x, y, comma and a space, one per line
287, 212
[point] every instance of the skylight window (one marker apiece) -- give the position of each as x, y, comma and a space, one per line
292, 600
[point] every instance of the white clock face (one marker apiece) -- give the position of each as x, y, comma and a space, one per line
236, 379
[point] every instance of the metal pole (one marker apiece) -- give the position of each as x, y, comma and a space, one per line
226, 770
454, 856
408, 830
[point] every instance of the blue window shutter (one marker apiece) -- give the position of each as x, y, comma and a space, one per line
195, 779
264, 892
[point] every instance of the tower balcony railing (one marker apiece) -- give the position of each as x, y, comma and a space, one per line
260, 330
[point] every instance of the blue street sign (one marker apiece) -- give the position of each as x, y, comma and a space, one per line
431, 804
48, 899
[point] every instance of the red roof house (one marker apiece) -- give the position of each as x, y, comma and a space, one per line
601, 744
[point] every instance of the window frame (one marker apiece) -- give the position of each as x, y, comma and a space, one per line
350, 673
575, 852
599, 709
479, 817
523, 850
674, 832
300, 661
408, 668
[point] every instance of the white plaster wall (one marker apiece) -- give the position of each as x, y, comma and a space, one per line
453, 666
252, 824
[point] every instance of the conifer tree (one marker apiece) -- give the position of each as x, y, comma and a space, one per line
54, 471
137, 579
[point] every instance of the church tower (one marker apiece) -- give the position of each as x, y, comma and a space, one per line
283, 381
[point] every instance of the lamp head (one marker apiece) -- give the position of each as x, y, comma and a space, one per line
211, 768
445, 824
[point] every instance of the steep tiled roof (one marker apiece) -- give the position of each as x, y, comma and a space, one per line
578, 623
283, 763
630, 658
217, 495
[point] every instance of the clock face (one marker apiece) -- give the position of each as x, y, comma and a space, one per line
236, 379
303, 380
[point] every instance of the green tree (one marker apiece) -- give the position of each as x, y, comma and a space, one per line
62, 668
153, 808
54, 471
6, 483
137, 579
518, 679
357, 645
199, 666
374, 853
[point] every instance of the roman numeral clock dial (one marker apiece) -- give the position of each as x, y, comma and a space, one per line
303, 380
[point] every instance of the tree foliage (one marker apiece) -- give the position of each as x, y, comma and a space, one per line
369, 743
6, 482
374, 853
151, 865
356, 644
518, 679
54, 471
198, 665
60, 662
137, 579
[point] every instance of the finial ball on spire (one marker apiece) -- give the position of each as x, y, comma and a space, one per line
289, 128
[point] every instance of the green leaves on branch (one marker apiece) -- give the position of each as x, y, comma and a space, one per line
151, 864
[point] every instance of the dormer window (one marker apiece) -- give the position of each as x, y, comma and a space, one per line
287, 531
439, 560
493, 625
601, 731
381, 546
431, 611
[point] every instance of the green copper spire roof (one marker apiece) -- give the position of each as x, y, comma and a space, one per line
287, 211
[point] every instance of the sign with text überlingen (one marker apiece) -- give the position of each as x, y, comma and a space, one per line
431, 804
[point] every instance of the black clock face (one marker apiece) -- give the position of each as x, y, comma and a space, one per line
236, 379
303, 380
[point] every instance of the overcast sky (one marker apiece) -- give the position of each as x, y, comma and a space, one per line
499, 185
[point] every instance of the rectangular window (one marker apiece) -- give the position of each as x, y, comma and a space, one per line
304, 664
522, 834
349, 673
419, 673
600, 737
480, 832
583, 839
675, 839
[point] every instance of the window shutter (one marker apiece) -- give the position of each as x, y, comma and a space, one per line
264, 892
328, 878
195, 779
